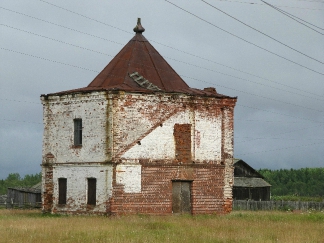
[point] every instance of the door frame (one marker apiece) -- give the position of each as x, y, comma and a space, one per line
190, 191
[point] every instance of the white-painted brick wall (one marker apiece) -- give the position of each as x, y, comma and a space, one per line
113, 124
59, 112
130, 177
76, 176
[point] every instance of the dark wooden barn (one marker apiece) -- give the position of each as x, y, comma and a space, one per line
248, 183
24, 197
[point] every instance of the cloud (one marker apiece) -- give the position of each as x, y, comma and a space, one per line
279, 112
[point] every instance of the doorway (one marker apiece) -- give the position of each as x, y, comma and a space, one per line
181, 197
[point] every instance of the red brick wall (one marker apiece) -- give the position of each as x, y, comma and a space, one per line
156, 196
48, 187
182, 137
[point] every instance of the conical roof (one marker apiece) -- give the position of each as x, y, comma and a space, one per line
139, 67
139, 56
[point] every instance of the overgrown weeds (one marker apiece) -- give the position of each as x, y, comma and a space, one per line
239, 226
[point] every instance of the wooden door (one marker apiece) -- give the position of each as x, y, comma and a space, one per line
181, 198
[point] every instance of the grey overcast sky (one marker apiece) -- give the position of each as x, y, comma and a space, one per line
278, 75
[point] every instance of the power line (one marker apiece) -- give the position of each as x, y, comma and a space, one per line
253, 3
46, 59
293, 17
266, 85
267, 138
196, 56
291, 131
318, 1
253, 94
20, 121
62, 26
84, 16
196, 16
262, 32
278, 149
154, 41
189, 77
277, 113
84, 48
209, 23
63, 42
253, 120
21, 101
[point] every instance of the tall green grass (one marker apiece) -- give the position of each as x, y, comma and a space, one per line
239, 226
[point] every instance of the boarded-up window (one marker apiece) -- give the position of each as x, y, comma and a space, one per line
62, 190
182, 137
77, 131
92, 191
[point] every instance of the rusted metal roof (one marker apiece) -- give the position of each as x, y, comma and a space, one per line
139, 67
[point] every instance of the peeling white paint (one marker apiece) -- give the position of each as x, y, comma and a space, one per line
58, 138
126, 128
77, 176
130, 176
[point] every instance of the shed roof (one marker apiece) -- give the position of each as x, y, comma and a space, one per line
237, 162
34, 189
250, 182
139, 67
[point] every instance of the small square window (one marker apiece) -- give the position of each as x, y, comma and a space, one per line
77, 132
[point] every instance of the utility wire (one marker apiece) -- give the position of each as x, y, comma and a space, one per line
268, 98
21, 101
277, 113
196, 16
84, 16
265, 138
118, 43
311, 1
291, 48
62, 26
157, 42
20, 121
84, 48
291, 131
46, 59
253, 3
196, 56
253, 120
293, 17
286, 148
205, 21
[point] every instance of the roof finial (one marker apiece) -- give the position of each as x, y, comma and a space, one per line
139, 28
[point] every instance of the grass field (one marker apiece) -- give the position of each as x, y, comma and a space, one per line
239, 226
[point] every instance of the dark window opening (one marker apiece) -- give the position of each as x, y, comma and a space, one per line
77, 132
92, 191
62, 185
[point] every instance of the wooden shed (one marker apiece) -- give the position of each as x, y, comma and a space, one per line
24, 197
248, 183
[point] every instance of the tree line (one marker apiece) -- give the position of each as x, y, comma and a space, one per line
15, 180
306, 182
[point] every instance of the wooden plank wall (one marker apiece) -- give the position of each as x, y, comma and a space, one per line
277, 205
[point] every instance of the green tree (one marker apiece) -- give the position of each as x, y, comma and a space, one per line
15, 180
302, 182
